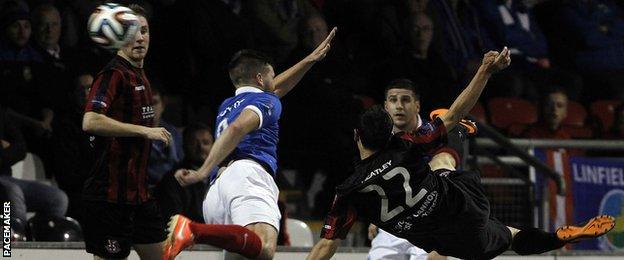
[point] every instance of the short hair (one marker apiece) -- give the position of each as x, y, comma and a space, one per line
374, 128
246, 64
191, 129
402, 83
139, 10
40, 9
554, 89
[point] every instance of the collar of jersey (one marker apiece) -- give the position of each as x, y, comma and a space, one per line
248, 89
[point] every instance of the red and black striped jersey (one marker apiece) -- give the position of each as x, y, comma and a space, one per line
391, 185
121, 92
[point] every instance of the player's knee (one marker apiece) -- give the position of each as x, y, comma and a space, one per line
268, 251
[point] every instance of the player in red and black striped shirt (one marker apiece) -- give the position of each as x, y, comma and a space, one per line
118, 210
394, 188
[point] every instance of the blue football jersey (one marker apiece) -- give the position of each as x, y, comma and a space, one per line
259, 145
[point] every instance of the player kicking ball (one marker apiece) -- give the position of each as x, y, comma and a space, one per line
445, 211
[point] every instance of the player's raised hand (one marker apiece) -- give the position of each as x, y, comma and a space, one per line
494, 61
321, 50
187, 177
160, 134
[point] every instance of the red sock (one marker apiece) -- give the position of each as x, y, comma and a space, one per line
233, 238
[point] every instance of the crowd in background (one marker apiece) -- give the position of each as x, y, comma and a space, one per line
563, 51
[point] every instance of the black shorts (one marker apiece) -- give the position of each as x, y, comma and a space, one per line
111, 229
469, 232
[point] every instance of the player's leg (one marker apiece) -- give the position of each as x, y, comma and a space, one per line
444, 161
244, 195
153, 251
268, 237
148, 236
107, 230
433, 255
387, 247
535, 241
101, 258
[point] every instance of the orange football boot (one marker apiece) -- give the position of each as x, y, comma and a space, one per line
471, 127
595, 227
180, 237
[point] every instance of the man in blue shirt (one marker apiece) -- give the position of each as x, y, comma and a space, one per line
240, 208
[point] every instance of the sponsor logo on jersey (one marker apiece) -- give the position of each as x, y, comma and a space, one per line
378, 170
228, 109
147, 112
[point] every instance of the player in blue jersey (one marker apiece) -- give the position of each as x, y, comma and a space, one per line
240, 208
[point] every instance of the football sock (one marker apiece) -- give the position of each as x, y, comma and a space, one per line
534, 241
233, 238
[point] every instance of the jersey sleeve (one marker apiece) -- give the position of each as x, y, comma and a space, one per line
339, 220
103, 91
267, 108
429, 138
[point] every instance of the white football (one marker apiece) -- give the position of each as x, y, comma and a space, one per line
112, 25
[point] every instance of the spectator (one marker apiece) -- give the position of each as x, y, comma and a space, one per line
617, 131
275, 24
461, 38
597, 28
512, 23
52, 76
422, 65
303, 139
16, 30
393, 20
175, 199
553, 110
17, 57
70, 147
163, 158
25, 195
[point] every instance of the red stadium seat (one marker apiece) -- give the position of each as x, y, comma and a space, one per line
478, 112
576, 115
603, 110
579, 132
492, 171
366, 101
512, 114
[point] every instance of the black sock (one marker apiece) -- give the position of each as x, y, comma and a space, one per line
455, 140
534, 241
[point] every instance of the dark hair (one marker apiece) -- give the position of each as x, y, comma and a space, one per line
139, 10
40, 9
246, 64
191, 129
402, 83
545, 98
374, 127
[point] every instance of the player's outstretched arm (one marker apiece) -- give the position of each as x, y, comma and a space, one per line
99, 124
324, 249
493, 62
246, 122
287, 80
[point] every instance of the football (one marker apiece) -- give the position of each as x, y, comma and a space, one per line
112, 25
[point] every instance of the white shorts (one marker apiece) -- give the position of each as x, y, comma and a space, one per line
388, 247
244, 194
